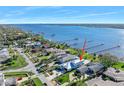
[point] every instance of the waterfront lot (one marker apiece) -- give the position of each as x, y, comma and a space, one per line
119, 65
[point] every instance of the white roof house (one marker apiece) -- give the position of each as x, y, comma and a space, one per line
4, 55
74, 64
1, 79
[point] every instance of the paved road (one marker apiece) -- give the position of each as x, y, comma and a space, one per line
30, 67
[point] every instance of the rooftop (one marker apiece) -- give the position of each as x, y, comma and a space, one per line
95, 68
1, 79
10, 81
4, 55
99, 82
115, 74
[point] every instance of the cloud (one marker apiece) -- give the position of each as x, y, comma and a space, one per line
94, 14
32, 8
28, 20
21, 11
27, 9
37, 7
66, 12
56, 14
14, 13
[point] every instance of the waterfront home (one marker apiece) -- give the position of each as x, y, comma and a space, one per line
90, 70
54, 50
33, 44
81, 70
97, 68
98, 81
114, 74
4, 56
37, 44
60, 53
68, 57
73, 64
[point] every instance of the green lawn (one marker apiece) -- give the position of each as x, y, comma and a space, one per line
63, 79
27, 83
37, 82
17, 74
16, 63
19, 62
72, 51
44, 57
32, 82
78, 83
119, 65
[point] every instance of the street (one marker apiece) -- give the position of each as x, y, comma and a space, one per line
30, 67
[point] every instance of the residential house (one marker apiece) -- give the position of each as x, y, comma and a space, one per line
75, 63
4, 56
90, 70
1, 79
11, 81
67, 57
98, 81
114, 74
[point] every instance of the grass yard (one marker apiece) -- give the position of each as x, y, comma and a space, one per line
27, 83
17, 74
72, 51
37, 82
45, 57
63, 78
32, 82
78, 83
19, 62
119, 65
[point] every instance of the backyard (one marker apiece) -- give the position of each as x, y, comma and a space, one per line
119, 65
37, 82
18, 62
32, 82
63, 78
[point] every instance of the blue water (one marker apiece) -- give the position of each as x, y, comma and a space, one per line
110, 37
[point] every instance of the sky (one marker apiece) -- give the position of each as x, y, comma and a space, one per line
61, 14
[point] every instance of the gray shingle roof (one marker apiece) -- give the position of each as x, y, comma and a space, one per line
10, 81
96, 67
112, 73
82, 69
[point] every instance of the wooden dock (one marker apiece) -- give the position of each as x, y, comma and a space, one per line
98, 45
108, 49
